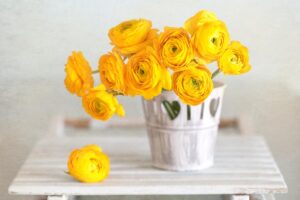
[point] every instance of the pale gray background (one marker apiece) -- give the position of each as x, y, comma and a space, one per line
37, 36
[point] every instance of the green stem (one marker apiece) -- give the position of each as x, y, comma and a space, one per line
95, 71
169, 110
67, 172
114, 93
215, 73
189, 112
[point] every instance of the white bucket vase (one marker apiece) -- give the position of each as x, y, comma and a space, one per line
186, 142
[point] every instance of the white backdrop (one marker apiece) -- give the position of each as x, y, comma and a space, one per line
37, 36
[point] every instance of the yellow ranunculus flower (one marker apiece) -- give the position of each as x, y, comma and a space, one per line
111, 69
203, 16
135, 48
210, 40
79, 77
101, 105
193, 85
144, 75
235, 59
174, 48
131, 36
89, 164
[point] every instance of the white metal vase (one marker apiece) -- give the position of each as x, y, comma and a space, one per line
186, 142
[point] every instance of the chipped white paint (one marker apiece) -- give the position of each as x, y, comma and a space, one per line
187, 142
243, 165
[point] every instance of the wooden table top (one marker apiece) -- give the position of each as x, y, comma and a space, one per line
243, 165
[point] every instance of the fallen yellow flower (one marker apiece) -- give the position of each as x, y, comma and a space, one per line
89, 164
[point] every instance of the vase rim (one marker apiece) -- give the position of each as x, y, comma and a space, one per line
218, 85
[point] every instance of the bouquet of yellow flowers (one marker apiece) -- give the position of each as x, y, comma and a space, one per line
144, 61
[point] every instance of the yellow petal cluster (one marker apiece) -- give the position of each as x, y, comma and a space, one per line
101, 105
78, 74
193, 85
131, 36
141, 61
111, 69
210, 40
89, 164
235, 59
174, 48
145, 76
200, 18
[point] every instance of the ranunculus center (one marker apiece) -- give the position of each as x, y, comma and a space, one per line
235, 59
195, 83
213, 40
94, 166
217, 39
125, 26
98, 106
174, 49
141, 72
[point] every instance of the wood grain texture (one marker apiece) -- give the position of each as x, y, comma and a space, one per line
243, 165
182, 150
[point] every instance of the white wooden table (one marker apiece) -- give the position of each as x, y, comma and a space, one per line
244, 169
